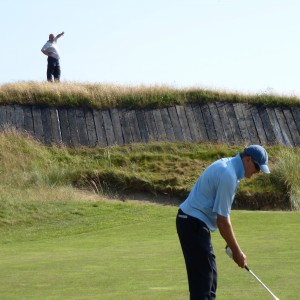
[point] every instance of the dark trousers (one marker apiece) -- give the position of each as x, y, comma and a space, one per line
53, 69
199, 257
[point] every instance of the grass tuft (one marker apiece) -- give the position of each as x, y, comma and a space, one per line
286, 174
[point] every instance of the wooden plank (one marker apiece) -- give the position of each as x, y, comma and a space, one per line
210, 128
81, 127
10, 116
3, 117
37, 123
187, 137
296, 114
199, 121
167, 124
275, 125
241, 121
161, 132
229, 138
90, 127
175, 124
238, 138
151, 126
285, 131
246, 108
192, 123
142, 125
259, 126
64, 126
55, 126
19, 117
209, 125
100, 131
217, 122
73, 127
46, 123
287, 111
28, 121
125, 125
267, 125
109, 130
117, 126
134, 127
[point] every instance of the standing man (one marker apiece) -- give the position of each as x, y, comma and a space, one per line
51, 50
207, 208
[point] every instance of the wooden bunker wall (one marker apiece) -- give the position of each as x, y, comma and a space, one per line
230, 123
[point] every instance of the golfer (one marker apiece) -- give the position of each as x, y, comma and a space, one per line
207, 208
51, 50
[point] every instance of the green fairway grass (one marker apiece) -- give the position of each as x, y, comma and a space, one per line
119, 250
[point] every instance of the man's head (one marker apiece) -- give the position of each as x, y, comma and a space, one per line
255, 159
51, 37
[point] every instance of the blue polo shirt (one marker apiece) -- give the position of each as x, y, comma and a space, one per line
214, 191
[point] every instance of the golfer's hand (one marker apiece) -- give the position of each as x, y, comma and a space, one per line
240, 259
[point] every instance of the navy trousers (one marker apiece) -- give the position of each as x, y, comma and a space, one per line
199, 257
53, 69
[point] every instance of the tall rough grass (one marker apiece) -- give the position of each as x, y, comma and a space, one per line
91, 95
107, 96
287, 174
30, 170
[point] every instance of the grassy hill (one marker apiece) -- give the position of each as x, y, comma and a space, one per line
168, 169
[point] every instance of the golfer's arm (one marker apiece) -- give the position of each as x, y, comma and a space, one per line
227, 233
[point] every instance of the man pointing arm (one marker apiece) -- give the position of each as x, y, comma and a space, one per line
50, 49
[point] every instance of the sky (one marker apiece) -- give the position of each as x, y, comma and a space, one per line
247, 46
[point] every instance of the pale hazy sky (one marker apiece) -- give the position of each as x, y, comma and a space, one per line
251, 46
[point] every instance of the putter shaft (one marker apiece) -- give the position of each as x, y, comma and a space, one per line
274, 297
229, 253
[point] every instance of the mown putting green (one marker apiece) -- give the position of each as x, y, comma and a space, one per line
100, 250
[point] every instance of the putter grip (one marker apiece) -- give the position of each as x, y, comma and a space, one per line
229, 253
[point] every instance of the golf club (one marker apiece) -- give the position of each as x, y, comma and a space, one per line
229, 253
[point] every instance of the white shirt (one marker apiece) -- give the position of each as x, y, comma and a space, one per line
52, 47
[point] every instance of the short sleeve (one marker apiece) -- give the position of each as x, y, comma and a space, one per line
224, 195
